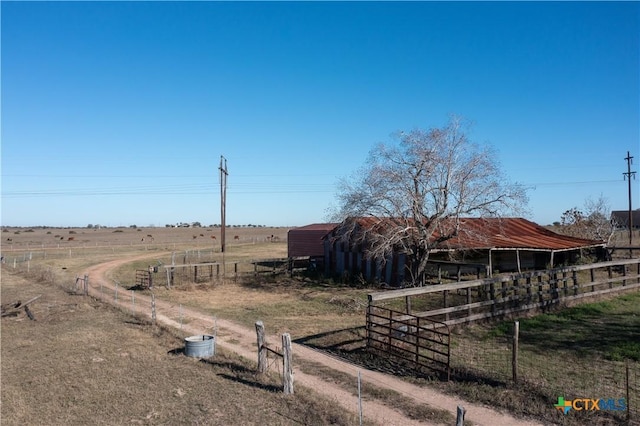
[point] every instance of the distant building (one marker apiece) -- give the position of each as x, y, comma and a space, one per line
621, 218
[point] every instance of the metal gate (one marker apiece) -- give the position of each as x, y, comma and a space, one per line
420, 343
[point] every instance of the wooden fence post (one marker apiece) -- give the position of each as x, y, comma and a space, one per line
460, 416
360, 396
86, 285
626, 368
153, 308
514, 354
262, 349
287, 370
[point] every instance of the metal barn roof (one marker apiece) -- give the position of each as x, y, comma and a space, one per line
500, 233
513, 233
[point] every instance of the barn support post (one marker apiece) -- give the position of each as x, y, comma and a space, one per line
518, 261
262, 347
490, 264
287, 370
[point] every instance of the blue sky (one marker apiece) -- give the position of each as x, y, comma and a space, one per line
117, 113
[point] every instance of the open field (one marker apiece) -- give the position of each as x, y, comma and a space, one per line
318, 313
83, 362
146, 238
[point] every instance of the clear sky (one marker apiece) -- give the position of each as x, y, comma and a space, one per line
117, 113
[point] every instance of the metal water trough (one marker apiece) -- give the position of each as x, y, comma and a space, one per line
200, 346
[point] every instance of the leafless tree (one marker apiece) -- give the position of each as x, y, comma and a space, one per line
415, 192
593, 222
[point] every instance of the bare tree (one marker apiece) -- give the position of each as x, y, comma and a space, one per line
414, 194
593, 222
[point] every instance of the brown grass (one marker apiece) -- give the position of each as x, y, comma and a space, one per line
82, 362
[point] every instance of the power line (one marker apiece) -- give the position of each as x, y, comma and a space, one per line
628, 176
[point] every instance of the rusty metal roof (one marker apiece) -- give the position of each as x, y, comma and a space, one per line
500, 233
513, 233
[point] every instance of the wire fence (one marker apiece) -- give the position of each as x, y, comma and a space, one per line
547, 374
543, 373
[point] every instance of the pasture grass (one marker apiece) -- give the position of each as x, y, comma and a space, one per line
409, 407
574, 352
564, 352
83, 362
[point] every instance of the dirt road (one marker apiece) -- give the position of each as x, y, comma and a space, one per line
242, 341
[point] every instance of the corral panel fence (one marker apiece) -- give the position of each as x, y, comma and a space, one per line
469, 301
490, 359
420, 343
184, 273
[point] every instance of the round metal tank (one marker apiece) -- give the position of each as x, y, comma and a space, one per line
201, 346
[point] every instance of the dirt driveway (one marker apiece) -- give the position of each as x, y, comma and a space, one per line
242, 341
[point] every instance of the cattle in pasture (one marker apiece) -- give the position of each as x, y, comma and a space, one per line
195, 236
71, 238
202, 235
62, 238
9, 239
213, 237
236, 237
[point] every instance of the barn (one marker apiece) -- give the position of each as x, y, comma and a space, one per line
621, 218
307, 242
496, 244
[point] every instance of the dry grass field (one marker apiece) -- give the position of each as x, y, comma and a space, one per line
82, 362
141, 237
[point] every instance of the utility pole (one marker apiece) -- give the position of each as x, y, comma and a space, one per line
223, 207
628, 175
